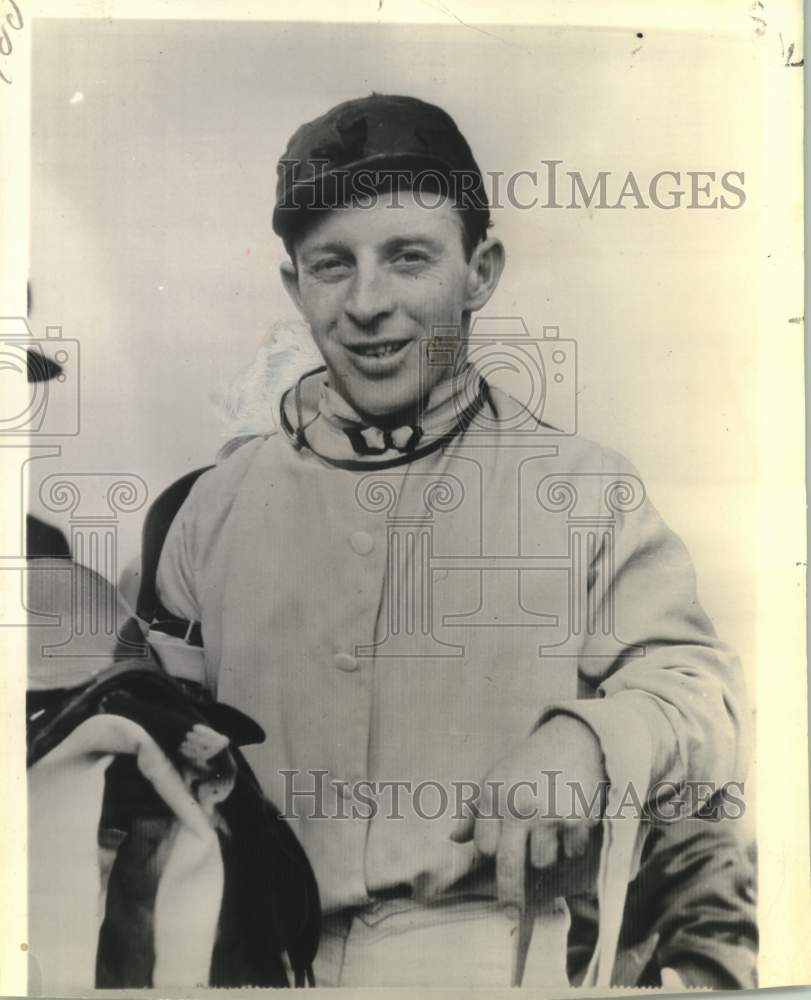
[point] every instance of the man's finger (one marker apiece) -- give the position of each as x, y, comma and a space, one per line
575, 835
511, 864
466, 823
543, 850
487, 834
478, 804
488, 823
463, 831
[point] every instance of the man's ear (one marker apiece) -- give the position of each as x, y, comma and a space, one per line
484, 271
290, 281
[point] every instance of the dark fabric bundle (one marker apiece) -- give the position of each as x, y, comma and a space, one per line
270, 899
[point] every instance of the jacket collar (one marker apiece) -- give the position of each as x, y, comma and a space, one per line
317, 418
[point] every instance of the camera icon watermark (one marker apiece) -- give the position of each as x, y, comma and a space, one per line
538, 374
42, 363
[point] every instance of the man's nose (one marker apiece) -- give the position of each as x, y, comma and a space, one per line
370, 296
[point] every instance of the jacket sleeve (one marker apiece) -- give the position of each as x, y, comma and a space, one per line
697, 891
196, 527
667, 689
692, 908
176, 576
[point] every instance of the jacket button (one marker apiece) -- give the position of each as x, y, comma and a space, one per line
362, 542
344, 661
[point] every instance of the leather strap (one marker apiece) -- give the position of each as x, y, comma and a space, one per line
179, 628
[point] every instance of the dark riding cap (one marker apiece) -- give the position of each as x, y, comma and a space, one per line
362, 145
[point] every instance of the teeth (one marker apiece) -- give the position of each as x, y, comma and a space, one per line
380, 350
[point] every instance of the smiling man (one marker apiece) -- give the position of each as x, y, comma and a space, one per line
469, 636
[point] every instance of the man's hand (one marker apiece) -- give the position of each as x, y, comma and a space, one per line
546, 816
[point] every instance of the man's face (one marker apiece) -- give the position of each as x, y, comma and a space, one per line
374, 283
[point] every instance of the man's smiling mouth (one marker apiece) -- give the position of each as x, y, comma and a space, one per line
378, 350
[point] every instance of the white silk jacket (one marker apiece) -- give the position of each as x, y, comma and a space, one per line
411, 618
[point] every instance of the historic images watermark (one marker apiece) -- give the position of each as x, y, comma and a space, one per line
550, 185
86, 619
48, 364
314, 794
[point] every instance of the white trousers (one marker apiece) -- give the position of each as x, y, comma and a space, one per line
464, 942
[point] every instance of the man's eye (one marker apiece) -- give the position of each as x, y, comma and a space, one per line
331, 265
411, 257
